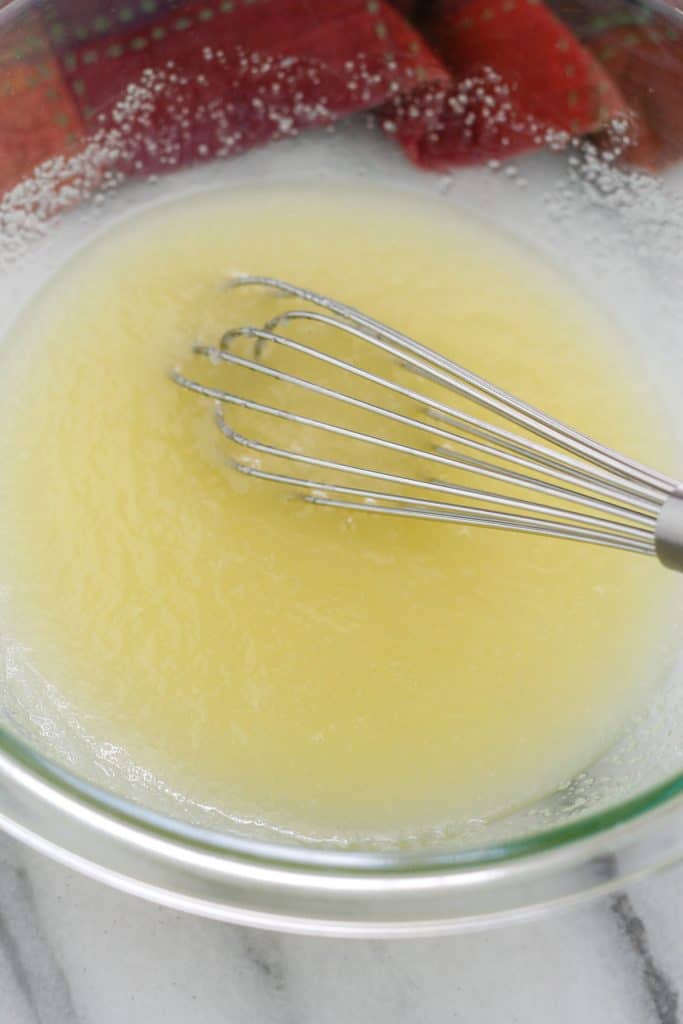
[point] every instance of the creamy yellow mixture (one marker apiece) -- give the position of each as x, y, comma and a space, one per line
327, 672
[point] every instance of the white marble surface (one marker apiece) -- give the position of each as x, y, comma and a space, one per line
74, 952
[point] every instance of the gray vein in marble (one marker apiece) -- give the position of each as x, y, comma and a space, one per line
10, 950
661, 991
29, 958
265, 955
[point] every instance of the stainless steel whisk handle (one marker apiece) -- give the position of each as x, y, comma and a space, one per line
669, 532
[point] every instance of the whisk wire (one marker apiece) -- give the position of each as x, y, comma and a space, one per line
446, 458
526, 454
478, 389
455, 490
629, 506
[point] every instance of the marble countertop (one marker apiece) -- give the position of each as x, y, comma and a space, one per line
74, 952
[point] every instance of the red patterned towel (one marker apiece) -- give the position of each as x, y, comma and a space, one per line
216, 76
642, 51
479, 79
38, 115
519, 79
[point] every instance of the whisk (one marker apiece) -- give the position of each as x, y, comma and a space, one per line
557, 481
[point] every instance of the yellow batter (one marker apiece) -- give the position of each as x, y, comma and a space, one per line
328, 673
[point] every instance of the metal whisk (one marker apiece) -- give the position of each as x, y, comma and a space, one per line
585, 491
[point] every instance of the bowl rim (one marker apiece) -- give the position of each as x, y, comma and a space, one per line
226, 845
350, 894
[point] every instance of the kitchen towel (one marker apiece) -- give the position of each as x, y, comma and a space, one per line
453, 81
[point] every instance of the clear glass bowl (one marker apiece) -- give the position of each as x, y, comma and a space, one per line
79, 150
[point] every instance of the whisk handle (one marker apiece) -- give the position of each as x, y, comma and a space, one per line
669, 532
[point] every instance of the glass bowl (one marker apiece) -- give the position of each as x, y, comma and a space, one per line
107, 108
